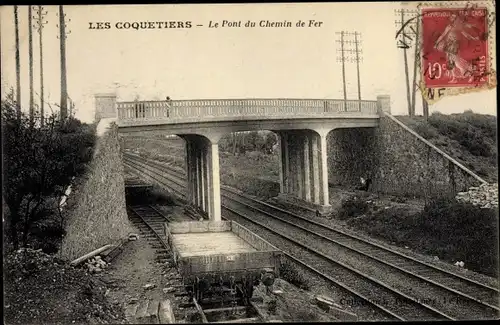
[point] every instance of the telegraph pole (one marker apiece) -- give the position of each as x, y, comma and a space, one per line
353, 50
40, 23
64, 87
30, 43
415, 65
410, 34
357, 50
407, 80
342, 59
18, 66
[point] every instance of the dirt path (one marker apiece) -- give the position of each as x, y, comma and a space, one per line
129, 272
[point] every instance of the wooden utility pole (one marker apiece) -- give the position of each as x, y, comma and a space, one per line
18, 66
342, 59
62, 39
425, 107
415, 65
406, 69
409, 35
353, 55
30, 43
357, 50
40, 23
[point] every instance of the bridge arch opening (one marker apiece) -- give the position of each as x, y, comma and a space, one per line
351, 156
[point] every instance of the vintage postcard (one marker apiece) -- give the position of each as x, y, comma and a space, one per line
250, 162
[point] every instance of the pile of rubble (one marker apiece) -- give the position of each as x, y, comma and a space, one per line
485, 196
95, 264
39, 286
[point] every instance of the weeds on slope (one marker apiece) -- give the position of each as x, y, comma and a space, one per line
451, 230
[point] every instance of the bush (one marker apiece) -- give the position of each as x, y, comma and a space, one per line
242, 142
352, 208
426, 131
475, 132
460, 231
451, 230
39, 163
291, 274
272, 306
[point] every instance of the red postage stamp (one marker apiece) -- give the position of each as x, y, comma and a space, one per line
455, 47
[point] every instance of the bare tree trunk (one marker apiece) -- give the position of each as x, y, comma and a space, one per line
18, 66
40, 26
30, 43
64, 90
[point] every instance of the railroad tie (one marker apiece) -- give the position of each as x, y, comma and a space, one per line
153, 311
142, 316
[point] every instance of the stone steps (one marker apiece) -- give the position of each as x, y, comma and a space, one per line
150, 311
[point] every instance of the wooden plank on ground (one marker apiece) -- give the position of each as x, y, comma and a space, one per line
153, 308
240, 320
200, 311
165, 313
336, 310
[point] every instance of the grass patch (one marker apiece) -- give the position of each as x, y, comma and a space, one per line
290, 273
353, 207
476, 133
451, 230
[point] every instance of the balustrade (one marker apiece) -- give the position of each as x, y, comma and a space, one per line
193, 109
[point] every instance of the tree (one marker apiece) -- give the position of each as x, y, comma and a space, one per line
40, 22
18, 65
271, 140
39, 163
30, 56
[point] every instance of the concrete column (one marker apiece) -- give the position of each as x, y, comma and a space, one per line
215, 213
300, 168
192, 167
307, 168
296, 168
203, 183
209, 177
198, 176
105, 106
324, 170
293, 167
315, 168
281, 163
285, 161
383, 104
187, 162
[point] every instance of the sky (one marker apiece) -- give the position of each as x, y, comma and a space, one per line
223, 62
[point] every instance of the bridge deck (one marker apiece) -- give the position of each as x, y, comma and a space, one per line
178, 111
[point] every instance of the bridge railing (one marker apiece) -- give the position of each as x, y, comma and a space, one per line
187, 109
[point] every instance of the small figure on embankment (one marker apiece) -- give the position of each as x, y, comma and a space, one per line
365, 184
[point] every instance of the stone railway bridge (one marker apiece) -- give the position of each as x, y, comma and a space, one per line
366, 138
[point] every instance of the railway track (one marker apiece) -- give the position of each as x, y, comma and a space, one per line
150, 222
440, 294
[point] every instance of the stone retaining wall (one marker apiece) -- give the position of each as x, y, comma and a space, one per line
96, 211
397, 159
